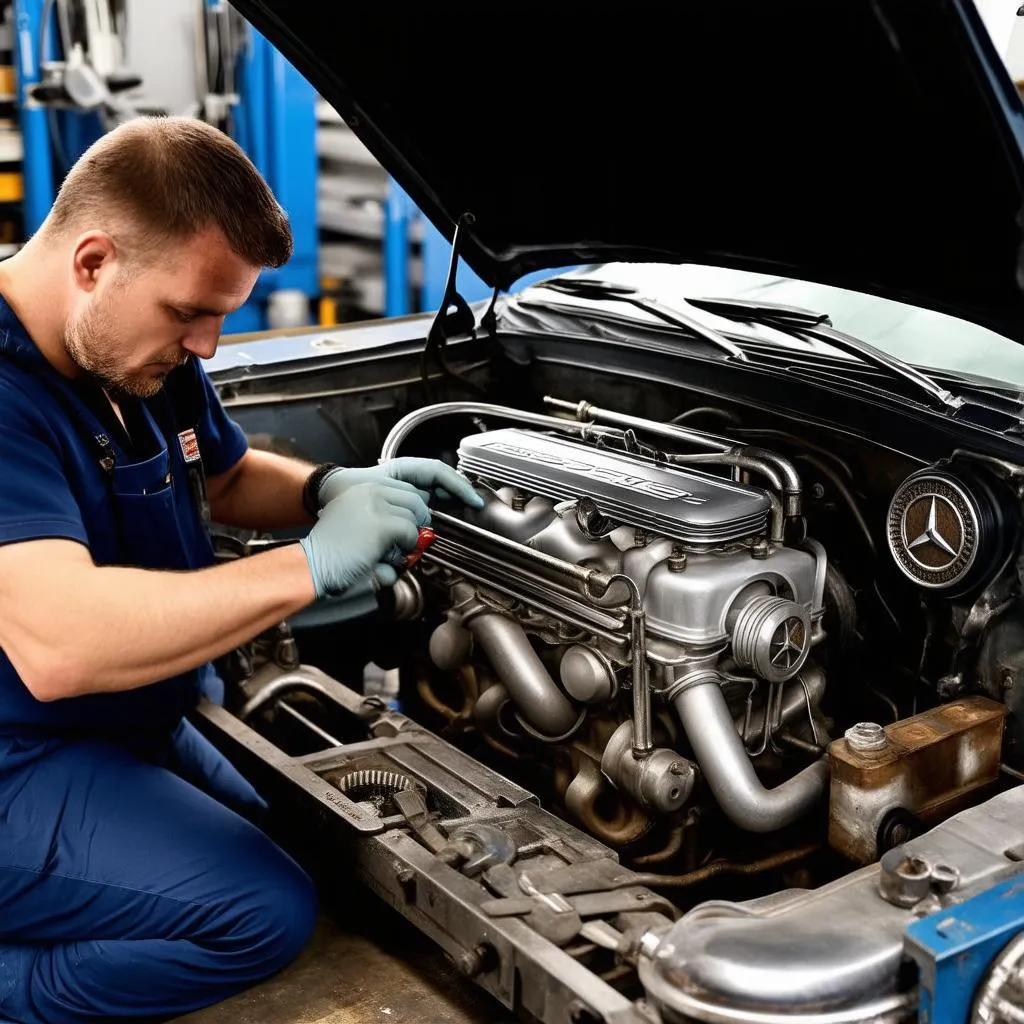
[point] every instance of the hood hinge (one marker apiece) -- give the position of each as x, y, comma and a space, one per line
453, 317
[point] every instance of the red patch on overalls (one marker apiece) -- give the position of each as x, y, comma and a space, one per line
189, 445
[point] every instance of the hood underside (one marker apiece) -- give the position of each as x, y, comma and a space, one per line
871, 144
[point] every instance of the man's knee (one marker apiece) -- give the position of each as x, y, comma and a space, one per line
290, 917
275, 912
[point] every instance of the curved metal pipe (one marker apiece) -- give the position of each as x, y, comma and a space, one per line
584, 411
768, 470
723, 760
792, 487
630, 821
522, 673
772, 862
408, 423
787, 480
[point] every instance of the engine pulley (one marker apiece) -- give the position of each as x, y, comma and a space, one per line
772, 637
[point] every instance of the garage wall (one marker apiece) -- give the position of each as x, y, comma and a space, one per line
161, 48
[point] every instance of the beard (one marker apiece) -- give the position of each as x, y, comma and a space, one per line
96, 344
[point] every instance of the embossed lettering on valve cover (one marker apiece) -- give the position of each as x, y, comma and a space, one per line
608, 474
670, 501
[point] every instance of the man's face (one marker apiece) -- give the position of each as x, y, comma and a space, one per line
136, 325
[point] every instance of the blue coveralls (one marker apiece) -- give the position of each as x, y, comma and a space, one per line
132, 882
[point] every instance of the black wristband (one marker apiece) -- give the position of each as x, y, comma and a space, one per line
311, 489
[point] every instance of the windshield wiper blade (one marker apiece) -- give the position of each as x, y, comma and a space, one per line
762, 312
606, 291
804, 323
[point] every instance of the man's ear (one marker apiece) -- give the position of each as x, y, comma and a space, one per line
94, 254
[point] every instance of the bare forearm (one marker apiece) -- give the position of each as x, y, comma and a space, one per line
158, 623
263, 493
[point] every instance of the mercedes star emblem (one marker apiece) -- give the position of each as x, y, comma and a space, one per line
787, 645
934, 530
931, 533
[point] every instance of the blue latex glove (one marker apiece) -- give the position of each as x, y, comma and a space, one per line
366, 531
426, 475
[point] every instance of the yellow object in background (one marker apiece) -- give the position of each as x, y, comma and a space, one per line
329, 302
12, 187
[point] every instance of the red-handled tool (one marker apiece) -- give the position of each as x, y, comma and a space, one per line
425, 539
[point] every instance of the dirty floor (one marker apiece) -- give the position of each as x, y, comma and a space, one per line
365, 966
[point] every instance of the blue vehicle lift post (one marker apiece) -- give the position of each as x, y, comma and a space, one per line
37, 166
276, 127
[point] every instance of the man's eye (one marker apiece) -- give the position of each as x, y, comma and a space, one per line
183, 317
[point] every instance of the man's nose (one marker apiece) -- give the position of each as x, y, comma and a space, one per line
203, 337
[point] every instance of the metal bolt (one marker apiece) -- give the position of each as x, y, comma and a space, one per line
945, 878
677, 560
468, 963
818, 491
904, 880
1007, 680
518, 500
760, 549
677, 768
866, 736
640, 538
475, 961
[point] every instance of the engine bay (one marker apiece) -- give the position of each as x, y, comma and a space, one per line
757, 662
671, 700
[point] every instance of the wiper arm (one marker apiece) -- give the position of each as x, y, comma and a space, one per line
769, 313
605, 291
803, 323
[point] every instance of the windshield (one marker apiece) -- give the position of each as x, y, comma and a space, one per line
919, 336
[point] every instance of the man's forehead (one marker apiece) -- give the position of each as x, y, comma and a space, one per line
204, 266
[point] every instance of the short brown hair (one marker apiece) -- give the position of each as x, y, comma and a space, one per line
171, 177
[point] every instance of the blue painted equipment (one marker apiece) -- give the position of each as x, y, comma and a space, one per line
38, 164
272, 116
276, 126
954, 949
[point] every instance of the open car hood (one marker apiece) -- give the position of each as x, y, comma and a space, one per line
876, 145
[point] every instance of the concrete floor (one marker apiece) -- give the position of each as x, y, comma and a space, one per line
365, 966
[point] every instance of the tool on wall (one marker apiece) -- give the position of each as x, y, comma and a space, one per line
91, 74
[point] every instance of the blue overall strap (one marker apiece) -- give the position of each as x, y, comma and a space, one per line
179, 414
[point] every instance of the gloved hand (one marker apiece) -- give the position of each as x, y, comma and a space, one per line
368, 529
425, 475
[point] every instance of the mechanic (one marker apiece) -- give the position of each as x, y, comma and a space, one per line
134, 883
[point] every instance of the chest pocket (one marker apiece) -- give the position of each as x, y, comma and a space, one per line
148, 514
141, 512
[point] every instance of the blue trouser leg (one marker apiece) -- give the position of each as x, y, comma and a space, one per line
126, 892
194, 758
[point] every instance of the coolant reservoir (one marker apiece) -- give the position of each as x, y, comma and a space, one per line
891, 783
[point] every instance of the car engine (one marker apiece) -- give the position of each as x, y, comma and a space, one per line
646, 675
642, 604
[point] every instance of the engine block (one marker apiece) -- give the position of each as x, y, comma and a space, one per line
622, 586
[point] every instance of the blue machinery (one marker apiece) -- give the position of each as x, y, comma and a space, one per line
955, 948
275, 124
277, 128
